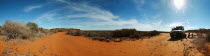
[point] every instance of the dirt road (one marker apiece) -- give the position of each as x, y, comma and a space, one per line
65, 45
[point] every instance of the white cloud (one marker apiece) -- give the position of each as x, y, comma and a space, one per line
45, 17
155, 4
63, 1
185, 24
95, 13
95, 16
88, 11
176, 24
116, 23
140, 2
30, 8
154, 25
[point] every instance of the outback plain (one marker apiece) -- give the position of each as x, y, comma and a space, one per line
75, 42
104, 28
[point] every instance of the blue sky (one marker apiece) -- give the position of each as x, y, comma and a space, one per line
109, 14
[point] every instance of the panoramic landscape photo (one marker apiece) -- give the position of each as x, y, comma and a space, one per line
104, 28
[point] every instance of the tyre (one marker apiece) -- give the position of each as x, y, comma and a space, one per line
184, 36
172, 36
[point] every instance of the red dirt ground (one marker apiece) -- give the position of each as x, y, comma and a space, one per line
60, 44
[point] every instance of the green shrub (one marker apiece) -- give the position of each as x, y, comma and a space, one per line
136, 35
153, 33
0, 30
208, 36
75, 32
124, 32
62, 29
117, 35
42, 32
106, 34
16, 29
13, 29
98, 34
32, 26
91, 34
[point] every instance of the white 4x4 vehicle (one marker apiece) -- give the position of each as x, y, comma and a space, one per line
178, 32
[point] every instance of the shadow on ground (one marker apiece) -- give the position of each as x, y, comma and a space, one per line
175, 39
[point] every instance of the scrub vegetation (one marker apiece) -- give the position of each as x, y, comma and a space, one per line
116, 35
16, 29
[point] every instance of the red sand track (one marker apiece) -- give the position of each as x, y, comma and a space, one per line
66, 45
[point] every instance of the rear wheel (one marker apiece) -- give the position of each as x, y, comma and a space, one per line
172, 36
184, 36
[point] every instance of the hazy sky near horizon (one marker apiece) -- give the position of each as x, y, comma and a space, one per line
109, 14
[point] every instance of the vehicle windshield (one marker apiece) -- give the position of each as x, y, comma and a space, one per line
178, 28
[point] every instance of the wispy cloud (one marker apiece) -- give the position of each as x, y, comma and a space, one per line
45, 17
140, 2
151, 5
87, 11
91, 12
92, 17
176, 24
30, 8
181, 23
84, 10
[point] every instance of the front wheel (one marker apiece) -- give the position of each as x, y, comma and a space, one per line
184, 36
171, 36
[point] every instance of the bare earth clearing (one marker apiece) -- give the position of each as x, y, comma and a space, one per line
66, 45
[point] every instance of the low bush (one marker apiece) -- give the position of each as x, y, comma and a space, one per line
90, 34
74, 32
42, 32
153, 33
124, 32
98, 34
132, 33
62, 29
208, 36
136, 35
116, 35
199, 31
33, 27
0, 30
14, 29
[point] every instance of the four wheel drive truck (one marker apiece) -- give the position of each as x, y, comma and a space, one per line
178, 32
